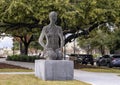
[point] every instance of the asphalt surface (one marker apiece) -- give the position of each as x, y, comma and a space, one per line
89, 77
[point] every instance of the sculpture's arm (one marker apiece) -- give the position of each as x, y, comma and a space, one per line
41, 38
61, 37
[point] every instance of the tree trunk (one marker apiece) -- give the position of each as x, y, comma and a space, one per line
26, 40
102, 50
88, 50
21, 49
26, 49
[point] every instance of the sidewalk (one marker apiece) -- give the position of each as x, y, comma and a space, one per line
95, 78
17, 63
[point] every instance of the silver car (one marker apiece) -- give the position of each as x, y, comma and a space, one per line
115, 61
112, 60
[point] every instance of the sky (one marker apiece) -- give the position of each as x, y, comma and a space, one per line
6, 42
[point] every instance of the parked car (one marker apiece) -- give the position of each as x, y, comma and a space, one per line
83, 58
86, 59
103, 60
109, 60
115, 61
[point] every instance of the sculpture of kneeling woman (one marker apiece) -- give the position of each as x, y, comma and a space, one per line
53, 35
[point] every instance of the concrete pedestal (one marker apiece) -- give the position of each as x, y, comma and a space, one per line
54, 69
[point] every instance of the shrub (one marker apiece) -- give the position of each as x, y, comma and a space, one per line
23, 58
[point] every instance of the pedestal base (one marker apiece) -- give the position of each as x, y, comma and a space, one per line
54, 69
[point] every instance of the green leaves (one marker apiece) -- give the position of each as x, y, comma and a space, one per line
29, 16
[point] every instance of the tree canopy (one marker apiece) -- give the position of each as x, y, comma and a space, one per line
25, 18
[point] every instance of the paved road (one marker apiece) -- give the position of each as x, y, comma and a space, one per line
89, 77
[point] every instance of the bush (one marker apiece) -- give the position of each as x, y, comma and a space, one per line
23, 58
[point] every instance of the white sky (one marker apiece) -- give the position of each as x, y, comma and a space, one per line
6, 42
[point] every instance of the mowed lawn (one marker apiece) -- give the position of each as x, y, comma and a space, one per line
32, 80
104, 70
99, 69
15, 70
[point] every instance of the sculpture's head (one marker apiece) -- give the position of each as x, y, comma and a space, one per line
53, 16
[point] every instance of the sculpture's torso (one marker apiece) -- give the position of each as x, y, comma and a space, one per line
52, 35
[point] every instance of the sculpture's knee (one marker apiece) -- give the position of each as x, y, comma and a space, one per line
59, 54
50, 55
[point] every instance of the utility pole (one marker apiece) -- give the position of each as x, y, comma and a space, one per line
74, 45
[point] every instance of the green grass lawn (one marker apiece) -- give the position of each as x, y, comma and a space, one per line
102, 69
15, 70
32, 80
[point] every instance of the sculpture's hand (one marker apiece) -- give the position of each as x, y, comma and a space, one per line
47, 49
44, 47
59, 49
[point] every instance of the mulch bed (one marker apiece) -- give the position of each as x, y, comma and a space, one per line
80, 66
4, 66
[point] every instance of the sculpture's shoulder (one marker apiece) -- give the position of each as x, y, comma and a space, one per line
59, 28
45, 27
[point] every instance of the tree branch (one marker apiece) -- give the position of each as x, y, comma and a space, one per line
10, 25
83, 32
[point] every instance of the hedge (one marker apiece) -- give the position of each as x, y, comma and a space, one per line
23, 58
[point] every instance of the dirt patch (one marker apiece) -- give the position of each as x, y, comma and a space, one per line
3, 65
